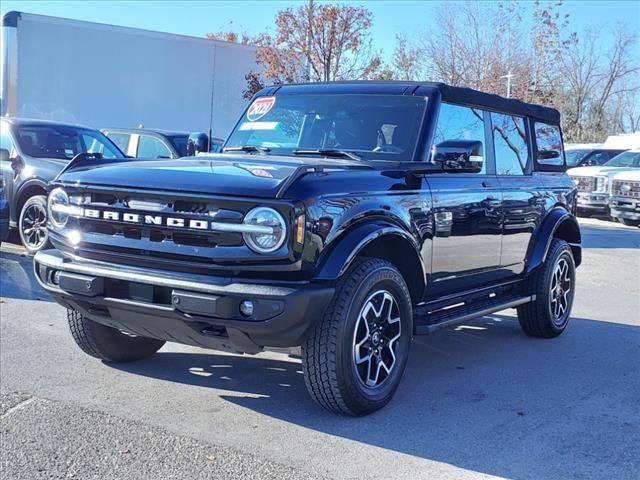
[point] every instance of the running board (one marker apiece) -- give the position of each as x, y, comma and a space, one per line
424, 325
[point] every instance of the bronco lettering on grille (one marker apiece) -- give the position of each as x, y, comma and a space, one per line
175, 222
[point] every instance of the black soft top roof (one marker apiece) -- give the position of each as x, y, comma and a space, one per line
496, 102
459, 95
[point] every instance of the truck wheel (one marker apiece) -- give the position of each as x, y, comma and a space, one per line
32, 224
109, 344
355, 356
629, 222
553, 283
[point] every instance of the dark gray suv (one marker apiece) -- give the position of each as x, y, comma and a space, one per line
33, 152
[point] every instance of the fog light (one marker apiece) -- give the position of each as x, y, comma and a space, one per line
246, 308
56, 277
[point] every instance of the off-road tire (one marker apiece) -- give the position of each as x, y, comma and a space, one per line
109, 344
327, 354
38, 202
536, 318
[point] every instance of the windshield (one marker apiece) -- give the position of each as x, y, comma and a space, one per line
375, 127
179, 142
54, 141
626, 159
574, 156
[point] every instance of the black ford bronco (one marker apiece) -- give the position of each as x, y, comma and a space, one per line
343, 218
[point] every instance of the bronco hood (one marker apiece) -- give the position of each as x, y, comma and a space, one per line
242, 175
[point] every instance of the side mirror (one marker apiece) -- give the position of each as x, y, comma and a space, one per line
4, 155
548, 154
198, 142
459, 155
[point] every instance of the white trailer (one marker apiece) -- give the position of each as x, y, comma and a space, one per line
109, 76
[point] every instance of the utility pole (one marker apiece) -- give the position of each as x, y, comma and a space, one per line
309, 36
509, 76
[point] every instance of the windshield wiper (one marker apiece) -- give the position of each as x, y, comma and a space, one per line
328, 152
247, 148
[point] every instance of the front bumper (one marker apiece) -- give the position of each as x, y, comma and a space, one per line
593, 201
624, 207
194, 309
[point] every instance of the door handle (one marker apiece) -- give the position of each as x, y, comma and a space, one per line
486, 184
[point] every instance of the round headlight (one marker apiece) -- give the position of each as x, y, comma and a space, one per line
58, 207
269, 230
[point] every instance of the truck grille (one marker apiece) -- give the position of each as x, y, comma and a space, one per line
163, 228
585, 184
626, 188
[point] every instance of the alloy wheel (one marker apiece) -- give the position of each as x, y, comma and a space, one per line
34, 226
560, 291
377, 331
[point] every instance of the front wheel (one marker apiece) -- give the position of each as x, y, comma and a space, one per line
32, 224
354, 358
629, 222
109, 344
553, 284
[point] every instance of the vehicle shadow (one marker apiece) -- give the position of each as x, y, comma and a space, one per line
17, 279
482, 397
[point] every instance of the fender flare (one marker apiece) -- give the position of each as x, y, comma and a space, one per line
17, 194
558, 219
337, 257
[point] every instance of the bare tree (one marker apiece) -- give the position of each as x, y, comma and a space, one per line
406, 62
320, 43
475, 56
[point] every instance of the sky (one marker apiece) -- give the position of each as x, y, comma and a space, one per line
197, 18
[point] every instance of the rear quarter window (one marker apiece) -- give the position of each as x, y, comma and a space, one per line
549, 145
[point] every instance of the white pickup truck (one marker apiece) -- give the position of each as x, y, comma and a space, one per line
595, 182
625, 195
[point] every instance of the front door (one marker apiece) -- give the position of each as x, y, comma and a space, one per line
466, 210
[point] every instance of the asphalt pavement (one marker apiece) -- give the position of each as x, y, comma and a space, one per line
479, 400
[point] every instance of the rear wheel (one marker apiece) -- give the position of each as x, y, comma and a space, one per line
32, 224
109, 344
355, 357
554, 286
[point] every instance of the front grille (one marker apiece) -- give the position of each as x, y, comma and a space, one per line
138, 225
585, 184
626, 188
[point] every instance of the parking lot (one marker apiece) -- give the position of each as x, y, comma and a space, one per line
478, 400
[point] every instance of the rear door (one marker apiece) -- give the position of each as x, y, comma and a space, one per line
466, 207
122, 140
153, 147
523, 195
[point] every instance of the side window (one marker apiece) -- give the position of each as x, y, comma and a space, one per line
95, 145
151, 147
456, 123
121, 140
549, 141
510, 141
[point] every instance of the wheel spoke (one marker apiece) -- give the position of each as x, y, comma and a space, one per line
361, 359
372, 381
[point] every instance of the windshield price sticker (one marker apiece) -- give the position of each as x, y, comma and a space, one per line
260, 107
